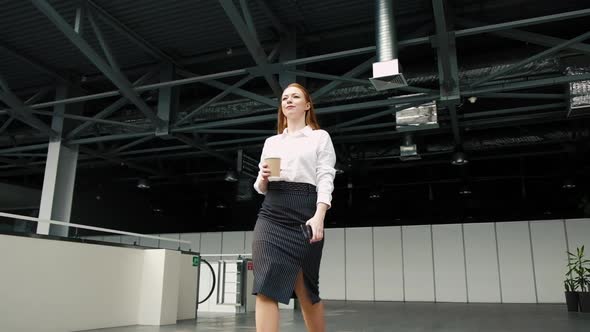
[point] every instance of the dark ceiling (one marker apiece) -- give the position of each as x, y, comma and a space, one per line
525, 135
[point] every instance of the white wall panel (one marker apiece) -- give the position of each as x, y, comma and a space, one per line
233, 243
578, 234
483, 280
172, 245
449, 263
248, 242
550, 259
359, 264
418, 269
332, 268
112, 238
194, 238
516, 264
147, 242
210, 243
389, 284
128, 239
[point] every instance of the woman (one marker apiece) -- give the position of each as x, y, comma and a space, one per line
286, 264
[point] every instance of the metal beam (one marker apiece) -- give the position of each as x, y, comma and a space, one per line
338, 127
447, 66
118, 79
343, 125
447, 58
528, 37
274, 19
254, 48
319, 111
328, 77
20, 111
167, 100
114, 159
516, 95
190, 142
131, 35
111, 108
536, 57
527, 84
525, 22
514, 110
45, 68
354, 72
240, 92
106, 49
205, 78
233, 122
6, 123
131, 144
249, 21
91, 119
33, 99
192, 111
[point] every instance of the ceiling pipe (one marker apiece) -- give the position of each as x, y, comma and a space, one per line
386, 72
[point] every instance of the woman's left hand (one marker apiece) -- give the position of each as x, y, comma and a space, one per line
317, 227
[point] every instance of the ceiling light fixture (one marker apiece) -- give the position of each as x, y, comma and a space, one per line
459, 158
465, 190
231, 176
568, 184
143, 184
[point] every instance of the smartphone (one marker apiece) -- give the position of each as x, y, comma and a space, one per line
307, 232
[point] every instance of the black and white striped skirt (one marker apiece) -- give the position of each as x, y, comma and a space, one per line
279, 248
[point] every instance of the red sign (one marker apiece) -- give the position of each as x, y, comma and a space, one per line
250, 266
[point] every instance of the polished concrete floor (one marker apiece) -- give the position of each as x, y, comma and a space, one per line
344, 316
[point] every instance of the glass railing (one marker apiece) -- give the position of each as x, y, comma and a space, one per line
18, 224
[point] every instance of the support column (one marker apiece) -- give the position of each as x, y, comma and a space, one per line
167, 101
60, 173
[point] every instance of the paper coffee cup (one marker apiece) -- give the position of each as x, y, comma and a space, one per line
274, 163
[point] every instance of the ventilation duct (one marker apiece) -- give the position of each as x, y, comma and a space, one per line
417, 118
579, 92
409, 150
386, 72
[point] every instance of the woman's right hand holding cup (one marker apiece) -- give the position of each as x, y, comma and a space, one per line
264, 171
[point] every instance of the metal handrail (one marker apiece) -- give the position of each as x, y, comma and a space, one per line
69, 224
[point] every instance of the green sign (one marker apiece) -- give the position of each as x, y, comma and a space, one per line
196, 260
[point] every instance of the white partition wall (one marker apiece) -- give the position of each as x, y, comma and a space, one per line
550, 259
418, 264
512, 262
516, 264
248, 242
210, 243
152, 243
112, 238
172, 245
233, 243
481, 258
449, 263
578, 234
332, 269
389, 279
194, 238
359, 264
132, 240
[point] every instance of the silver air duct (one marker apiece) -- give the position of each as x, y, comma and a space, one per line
386, 72
417, 118
409, 150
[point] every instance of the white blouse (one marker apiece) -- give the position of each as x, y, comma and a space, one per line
307, 156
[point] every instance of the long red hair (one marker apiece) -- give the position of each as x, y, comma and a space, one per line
310, 117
